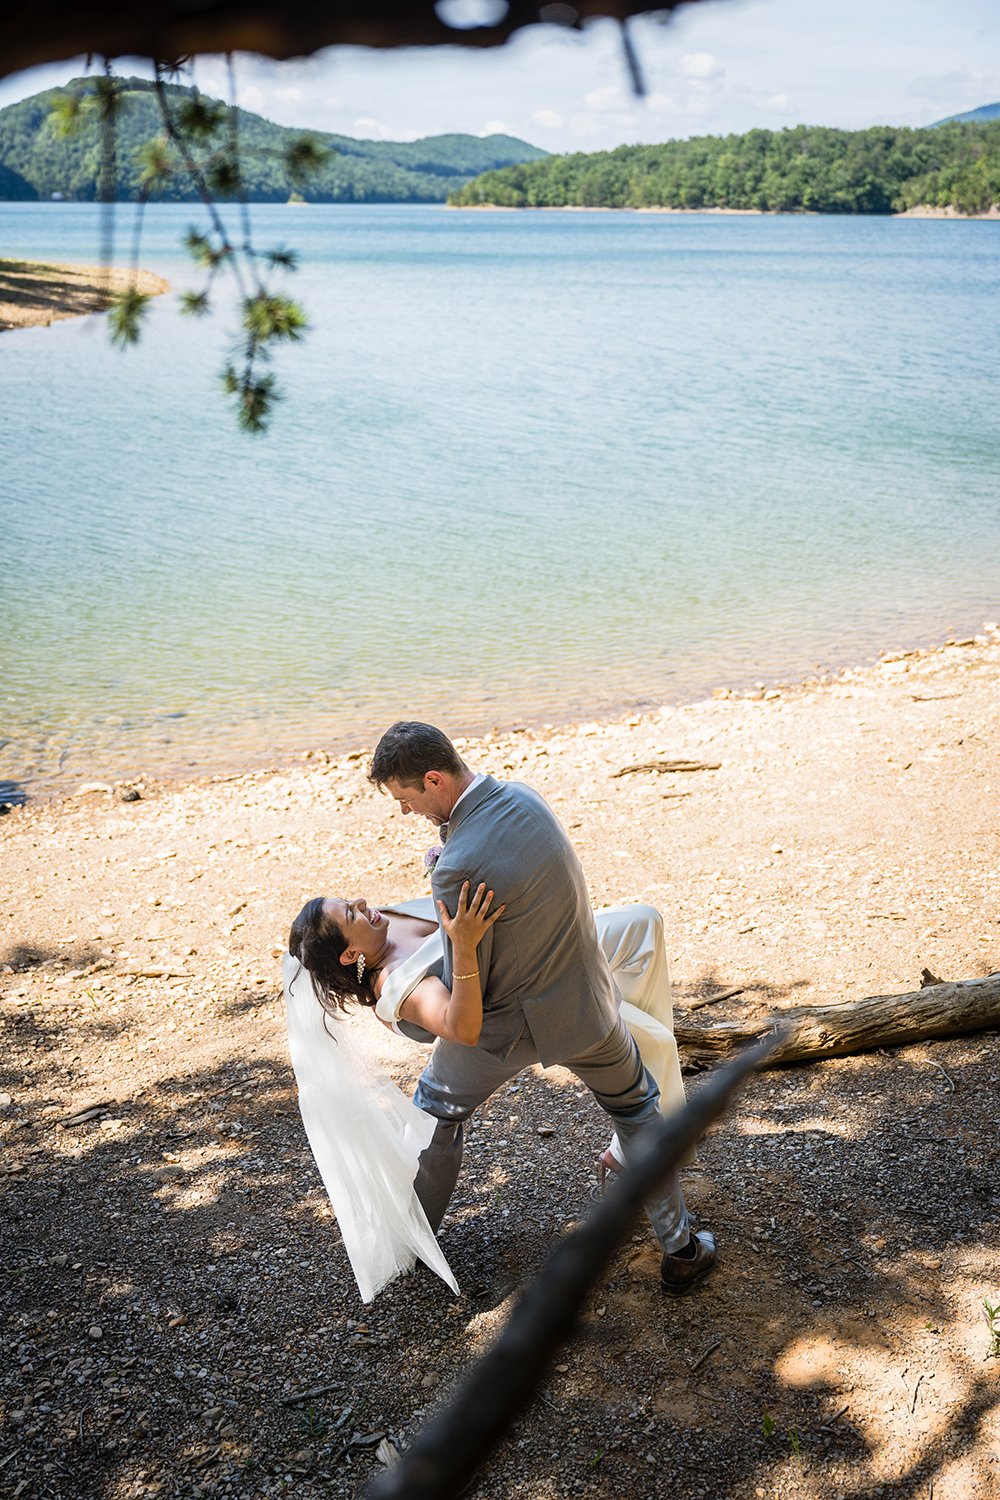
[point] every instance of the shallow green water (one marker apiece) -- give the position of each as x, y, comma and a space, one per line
531, 467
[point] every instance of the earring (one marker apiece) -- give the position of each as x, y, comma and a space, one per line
361, 967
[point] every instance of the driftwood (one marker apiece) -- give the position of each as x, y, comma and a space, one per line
668, 765
445, 1453
82, 1116
812, 1031
694, 1005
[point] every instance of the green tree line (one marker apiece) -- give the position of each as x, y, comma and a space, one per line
808, 168
36, 161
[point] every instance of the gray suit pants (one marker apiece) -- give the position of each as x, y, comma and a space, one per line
458, 1079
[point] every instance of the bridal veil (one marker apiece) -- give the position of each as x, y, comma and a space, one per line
366, 1137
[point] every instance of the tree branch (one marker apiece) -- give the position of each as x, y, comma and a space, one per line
198, 178
447, 1451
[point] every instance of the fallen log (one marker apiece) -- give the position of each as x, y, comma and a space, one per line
814, 1031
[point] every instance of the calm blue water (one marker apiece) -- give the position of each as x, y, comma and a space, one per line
531, 466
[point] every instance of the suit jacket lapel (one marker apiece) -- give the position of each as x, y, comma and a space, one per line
486, 788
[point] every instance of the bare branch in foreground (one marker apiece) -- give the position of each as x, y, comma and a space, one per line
444, 1455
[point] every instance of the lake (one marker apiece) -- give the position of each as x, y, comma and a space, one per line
531, 467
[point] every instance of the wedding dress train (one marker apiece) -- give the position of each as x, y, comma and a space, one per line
366, 1137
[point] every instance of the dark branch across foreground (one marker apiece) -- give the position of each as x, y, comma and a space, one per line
445, 1454
176, 28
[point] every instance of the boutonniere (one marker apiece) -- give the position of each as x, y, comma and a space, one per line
432, 856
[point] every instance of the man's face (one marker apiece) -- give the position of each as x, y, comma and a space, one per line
433, 800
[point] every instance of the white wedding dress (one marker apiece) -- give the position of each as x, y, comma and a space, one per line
367, 1136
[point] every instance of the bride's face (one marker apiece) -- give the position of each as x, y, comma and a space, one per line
363, 927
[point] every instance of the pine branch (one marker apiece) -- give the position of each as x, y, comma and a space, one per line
198, 178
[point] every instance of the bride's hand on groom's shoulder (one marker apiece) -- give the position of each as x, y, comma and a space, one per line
473, 917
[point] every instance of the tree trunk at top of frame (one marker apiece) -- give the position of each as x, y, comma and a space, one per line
63, 29
815, 1031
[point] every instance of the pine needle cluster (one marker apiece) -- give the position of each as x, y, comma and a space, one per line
200, 140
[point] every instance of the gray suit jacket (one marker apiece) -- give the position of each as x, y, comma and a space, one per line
541, 965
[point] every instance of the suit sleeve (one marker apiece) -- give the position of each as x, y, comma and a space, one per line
446, 883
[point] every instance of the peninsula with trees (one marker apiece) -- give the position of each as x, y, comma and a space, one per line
950, 167
38, 160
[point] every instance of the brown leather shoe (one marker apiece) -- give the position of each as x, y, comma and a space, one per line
679, 1273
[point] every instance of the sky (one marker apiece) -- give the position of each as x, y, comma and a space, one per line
716, 67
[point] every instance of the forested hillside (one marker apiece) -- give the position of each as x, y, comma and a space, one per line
878, 171
36, 161
984, 112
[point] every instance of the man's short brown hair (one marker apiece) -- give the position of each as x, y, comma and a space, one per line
408, 750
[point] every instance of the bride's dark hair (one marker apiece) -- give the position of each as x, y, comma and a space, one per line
317, 942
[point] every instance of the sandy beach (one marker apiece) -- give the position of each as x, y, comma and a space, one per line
176, 1277
33, 295
929, 211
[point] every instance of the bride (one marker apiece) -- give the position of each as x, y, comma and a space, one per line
389, 959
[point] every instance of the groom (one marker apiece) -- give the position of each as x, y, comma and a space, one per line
548, 994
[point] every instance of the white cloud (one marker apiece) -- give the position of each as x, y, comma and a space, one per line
961, 86
621, 123
757, 102
548, 119
664, 104
701, 66
251, 97
288, 96
609, 109
584, 125
604, 98
372, 129
212, 80
495, 127
696, 108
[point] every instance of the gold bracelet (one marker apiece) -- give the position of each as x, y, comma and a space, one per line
473, 975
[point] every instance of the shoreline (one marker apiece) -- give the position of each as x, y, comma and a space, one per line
928, 211
924, 211
601, 208
35, 294
15, 795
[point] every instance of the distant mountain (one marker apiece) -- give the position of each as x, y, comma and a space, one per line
36, 162
971, 116
805, 169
